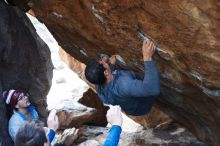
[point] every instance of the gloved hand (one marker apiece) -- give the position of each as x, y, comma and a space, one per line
52, 121
114, 116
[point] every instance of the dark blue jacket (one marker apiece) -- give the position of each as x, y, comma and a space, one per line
131, 91
113, 136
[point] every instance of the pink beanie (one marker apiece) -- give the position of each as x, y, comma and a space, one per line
11, 97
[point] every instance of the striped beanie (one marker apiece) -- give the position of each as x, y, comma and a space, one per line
11, 97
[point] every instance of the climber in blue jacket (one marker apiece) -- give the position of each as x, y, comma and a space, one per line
114, 117
133, 92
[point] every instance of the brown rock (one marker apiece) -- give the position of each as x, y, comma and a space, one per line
75, 65
89, 98
73, 114
153, 119
188, 58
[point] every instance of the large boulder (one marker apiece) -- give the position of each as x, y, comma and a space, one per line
73, 114
89, 98
188, 58
24, 62
25, 58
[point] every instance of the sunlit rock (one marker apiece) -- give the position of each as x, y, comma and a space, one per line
187, 34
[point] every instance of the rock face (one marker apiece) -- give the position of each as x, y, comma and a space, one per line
24, 62
95, 136
153, 119
188, 57
73, 114
89, 98
25, 58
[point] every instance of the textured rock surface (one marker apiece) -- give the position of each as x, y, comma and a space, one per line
75, 65
24, 61
89, 98
73, 114
72, 63
153, 119
95, 136
25, 58
188, 58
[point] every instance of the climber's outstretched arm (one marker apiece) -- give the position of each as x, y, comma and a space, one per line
114, 117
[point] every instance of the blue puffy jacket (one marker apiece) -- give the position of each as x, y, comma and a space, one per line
134, 93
